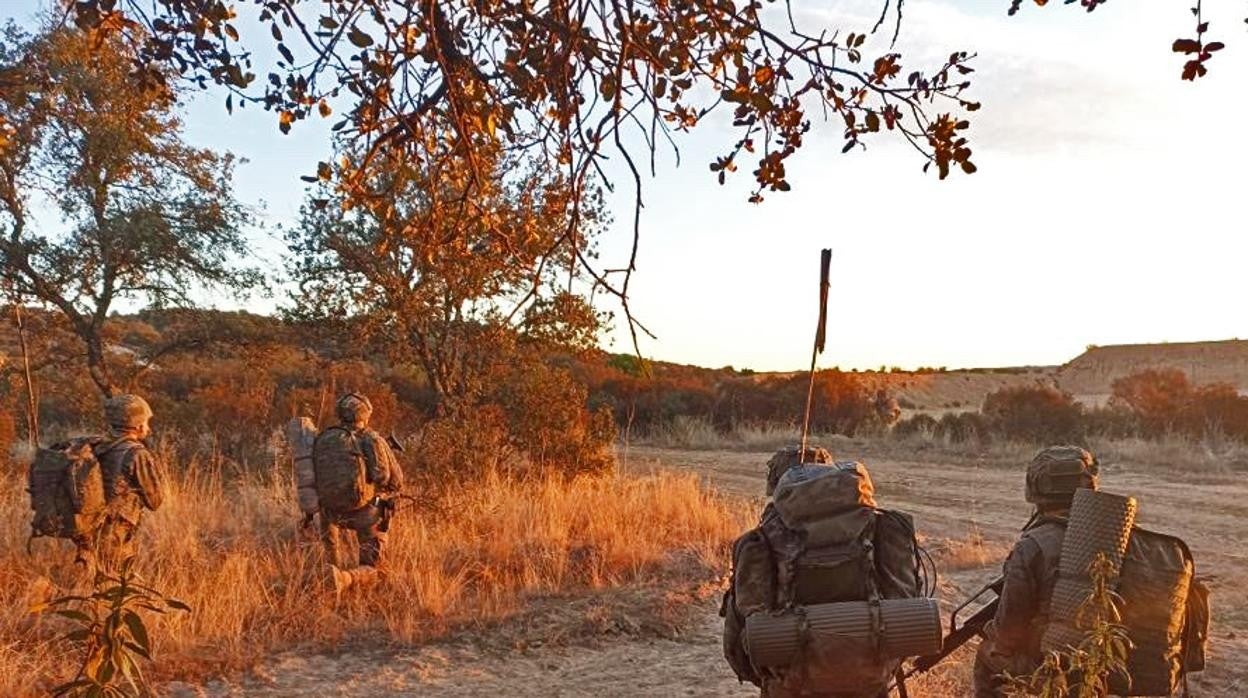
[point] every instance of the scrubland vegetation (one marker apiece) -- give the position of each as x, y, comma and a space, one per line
228, 544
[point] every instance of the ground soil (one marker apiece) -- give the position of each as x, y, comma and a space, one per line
968, 509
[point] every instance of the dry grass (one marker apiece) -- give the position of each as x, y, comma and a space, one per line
971, 552
698, 434
231, 550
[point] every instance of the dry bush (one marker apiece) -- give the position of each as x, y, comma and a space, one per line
1038, 414
962, 428
230, 549
917, 425
544, 411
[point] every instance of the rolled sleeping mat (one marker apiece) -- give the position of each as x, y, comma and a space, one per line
1100, 522
910, 627
300, 434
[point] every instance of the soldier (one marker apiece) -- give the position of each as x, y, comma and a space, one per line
784, 459
810, 548
132, 483
354, 466
1012, 639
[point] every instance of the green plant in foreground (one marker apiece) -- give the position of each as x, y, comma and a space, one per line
1084, 671
111, 634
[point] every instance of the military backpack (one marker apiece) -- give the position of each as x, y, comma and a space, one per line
66, 487
821, 540
342, 483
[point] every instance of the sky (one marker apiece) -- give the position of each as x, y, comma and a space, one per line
1107, 208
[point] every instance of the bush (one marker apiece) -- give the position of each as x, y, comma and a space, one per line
1164, 401
547, 419
1039, 414
962, 427
1156, 396
1112, 422
921, 424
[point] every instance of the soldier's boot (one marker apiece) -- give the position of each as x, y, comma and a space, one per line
341, 579
361, 577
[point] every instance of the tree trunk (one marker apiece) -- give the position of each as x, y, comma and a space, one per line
32, 401
97, 364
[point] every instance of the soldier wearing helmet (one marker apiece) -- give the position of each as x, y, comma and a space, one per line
1012, 639
132, 483
381, 472
792, 457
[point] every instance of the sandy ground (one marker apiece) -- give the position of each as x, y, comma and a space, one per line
951, 503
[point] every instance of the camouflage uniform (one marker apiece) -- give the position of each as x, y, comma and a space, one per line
381, 468
132, 483
1012, 639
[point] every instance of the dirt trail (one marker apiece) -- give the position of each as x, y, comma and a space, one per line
950, 502
692, 666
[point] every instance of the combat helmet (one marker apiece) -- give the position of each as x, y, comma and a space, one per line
126, 412
354, 408
788, 457
1057, 471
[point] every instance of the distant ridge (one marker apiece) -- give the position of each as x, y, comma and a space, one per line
1092, 373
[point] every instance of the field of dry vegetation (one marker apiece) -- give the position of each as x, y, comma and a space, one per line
229, 547
499, 585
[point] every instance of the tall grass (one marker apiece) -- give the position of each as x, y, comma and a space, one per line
699, 434
229, 547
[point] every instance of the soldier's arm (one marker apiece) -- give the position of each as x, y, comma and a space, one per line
1019, 603
383, 467
147, 475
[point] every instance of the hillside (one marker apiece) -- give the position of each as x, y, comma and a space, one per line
1091, 374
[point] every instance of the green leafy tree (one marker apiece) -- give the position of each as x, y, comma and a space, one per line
145, 216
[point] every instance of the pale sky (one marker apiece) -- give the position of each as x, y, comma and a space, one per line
1107, 207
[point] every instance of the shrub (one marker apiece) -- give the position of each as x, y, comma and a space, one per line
547, 419
1039, 414
1157, 396
1112, 422
962, 427
1164, 401
921, 424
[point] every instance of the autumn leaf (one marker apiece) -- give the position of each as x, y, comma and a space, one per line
1186, 46
359, 38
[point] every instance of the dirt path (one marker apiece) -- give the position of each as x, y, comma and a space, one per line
952, 503
692, 666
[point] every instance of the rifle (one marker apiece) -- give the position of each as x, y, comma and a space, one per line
388, 505
960, 634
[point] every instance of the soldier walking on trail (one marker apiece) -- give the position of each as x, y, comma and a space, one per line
132, 483
1012, 639
821, 543
354, 467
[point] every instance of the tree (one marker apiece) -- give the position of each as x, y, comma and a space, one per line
1158, 395
1038, 414
145, 215
447, 280
572, 83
